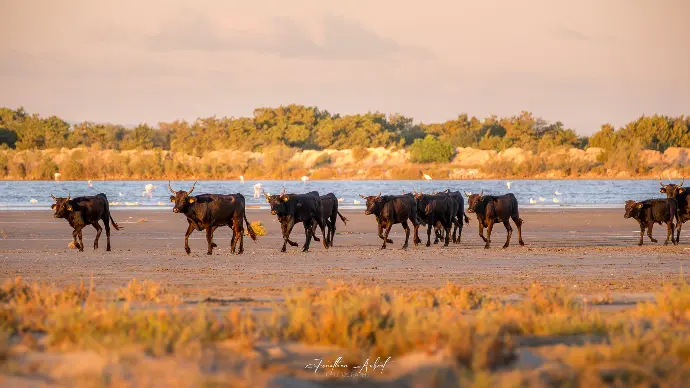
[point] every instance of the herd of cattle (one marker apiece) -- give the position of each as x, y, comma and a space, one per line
440, 211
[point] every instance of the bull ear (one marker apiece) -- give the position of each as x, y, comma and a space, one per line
662, 190
69, 207
680, 191
639, 205
192, 199
285, 199
172, 198
52, 206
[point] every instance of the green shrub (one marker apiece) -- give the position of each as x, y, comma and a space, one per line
430, 150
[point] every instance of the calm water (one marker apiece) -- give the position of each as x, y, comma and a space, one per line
35, 195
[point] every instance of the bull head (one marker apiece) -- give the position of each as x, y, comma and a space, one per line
181, 198
61, 206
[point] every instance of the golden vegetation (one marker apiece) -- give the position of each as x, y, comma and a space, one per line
482, 340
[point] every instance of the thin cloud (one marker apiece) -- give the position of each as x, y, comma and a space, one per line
344, 39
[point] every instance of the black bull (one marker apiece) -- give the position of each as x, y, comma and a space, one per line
495, 208
293, 208
208, 212
394, 209
681, 195
652, 211
82, 211
436, 209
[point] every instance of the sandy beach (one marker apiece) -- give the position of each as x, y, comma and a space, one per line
594, 249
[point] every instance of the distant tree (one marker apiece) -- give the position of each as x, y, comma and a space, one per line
430, 150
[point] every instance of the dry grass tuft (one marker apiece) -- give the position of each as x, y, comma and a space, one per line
144, 219
258, 228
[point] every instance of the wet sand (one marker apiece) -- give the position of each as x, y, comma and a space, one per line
593, 249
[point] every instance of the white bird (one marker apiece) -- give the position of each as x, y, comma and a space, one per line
542, 199
33, 200
242, 179
508, 184
148, 191
257, 190
56, 176
356, 202
89, 183
427, 177
532, 201
557, 192
120, 194
555, 200
341, 199
304, 179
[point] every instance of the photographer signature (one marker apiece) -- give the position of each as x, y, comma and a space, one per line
338, 364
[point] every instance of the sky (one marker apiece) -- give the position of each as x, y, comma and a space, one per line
583, 63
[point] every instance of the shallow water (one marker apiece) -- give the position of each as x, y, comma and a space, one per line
35, 195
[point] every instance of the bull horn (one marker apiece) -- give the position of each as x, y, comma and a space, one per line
51, 194
467, 194
282, 192
481, 194
69, 195
171, 189
379, 196
681, 182
660, 182
363, 196
192, 189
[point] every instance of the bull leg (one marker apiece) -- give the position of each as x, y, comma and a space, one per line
209, 239
509, 229
233, 240
429, 227
489, 228
407, 234
332, 231
386, 239
669, 232
679, 227
106, 224
481, 230
518, 222
98, 234
321, 222
213, 245
649, 231
75, 235
81, 241
642, 227
190, 229
283, 228
309, 233
417, 240
385, 236
447, 227
286, 234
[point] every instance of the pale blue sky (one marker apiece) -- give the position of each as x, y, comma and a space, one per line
584, 63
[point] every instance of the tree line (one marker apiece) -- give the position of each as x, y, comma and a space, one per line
304, 127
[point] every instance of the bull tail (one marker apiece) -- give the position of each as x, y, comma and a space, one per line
342, 218
250, 230
115, 225
467, 219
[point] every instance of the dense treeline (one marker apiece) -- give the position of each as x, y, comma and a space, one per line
296, 127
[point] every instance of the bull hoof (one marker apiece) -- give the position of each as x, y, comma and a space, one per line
404, 247
522, 243
305, 249
214, 245
107, 249
189, 251
241, 251
294, 244
389, 241
316, 239
209, 253
505, 247
486, 246
383, 247
283, 250
639, 244
428, 243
